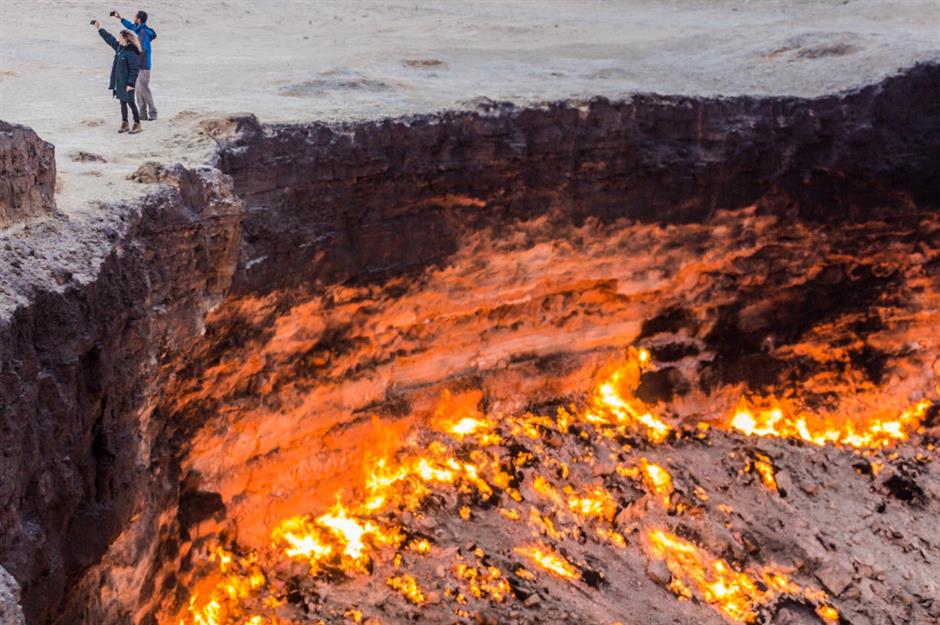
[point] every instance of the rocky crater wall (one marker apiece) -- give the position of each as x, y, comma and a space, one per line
382, 196
114, 391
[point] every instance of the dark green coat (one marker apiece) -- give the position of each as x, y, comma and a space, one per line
124, 69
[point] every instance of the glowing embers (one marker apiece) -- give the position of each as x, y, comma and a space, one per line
735, 593
770, 417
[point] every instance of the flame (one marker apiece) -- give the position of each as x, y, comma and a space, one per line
238, 578
828, 613
335, 538
596, 503
407, 587
460, 457
770, 418
658, 480
614, 404
735, 593
547, 559
484, 582
764, 467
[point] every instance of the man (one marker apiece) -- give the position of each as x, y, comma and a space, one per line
148, 110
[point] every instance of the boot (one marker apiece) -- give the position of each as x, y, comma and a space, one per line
123, 127
136, 128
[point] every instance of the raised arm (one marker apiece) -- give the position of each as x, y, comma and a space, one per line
108, 38
129, 25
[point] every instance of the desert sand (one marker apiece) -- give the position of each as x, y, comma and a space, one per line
299, 60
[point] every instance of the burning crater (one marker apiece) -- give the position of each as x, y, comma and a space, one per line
657, 361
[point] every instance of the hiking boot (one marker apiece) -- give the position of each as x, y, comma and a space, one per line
136, 128
124, 127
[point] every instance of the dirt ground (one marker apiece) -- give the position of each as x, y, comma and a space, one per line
295, 60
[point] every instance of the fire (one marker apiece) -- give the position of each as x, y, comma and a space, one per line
238, 578
828, 613
658, 480
768, 418
467, 462
334, 538
614, 402
597, 503
407, 586
764, 467
547, 559
733, 592
484, 582
655, 478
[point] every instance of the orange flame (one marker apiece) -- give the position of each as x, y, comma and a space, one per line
769, 418
735, 593
547, 559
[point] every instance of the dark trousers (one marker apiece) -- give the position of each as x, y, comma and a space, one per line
134, 110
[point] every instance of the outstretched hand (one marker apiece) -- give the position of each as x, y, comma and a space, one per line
96, 24
116, 14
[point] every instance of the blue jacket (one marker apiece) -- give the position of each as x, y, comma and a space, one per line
146, 35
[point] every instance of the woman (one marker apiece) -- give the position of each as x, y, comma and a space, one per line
124, 73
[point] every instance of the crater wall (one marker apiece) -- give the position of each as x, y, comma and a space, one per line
259, 316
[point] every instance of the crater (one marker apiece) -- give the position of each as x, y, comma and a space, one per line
576, 362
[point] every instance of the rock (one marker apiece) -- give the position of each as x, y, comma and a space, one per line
10, 611
151, 172
289, 612
482, 618
792, 614
603, 468
658, 571
27, 174
178, 254
81, 156
834, 577
532, 601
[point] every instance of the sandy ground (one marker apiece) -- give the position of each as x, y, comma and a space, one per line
346, 59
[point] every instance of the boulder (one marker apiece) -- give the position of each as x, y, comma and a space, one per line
27, 174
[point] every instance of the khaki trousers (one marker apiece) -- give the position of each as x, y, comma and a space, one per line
148, 110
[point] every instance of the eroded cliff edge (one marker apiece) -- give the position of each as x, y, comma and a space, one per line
105, 382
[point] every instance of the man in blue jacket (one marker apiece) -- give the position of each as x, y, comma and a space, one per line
148, 110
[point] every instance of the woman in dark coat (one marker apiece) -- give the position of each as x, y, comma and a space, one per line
124, 73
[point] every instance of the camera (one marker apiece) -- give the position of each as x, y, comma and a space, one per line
92, 22
112, 13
